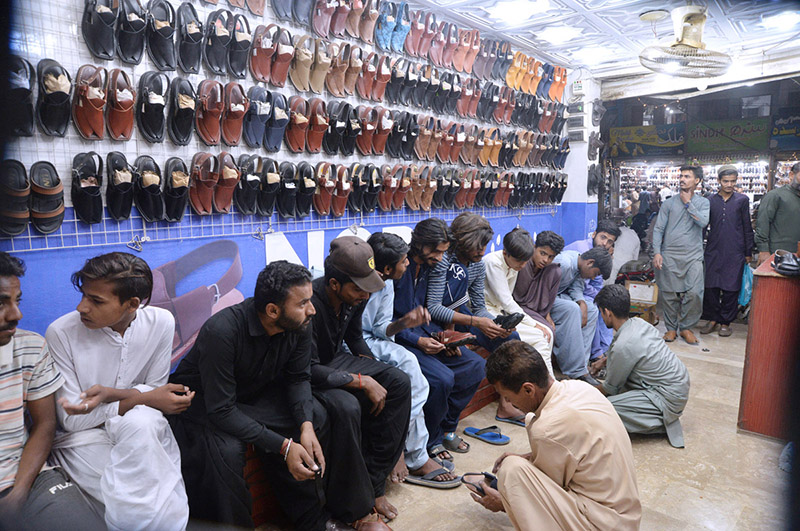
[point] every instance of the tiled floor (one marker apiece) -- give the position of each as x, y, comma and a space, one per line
721, 480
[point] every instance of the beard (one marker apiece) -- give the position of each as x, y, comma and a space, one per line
291, 324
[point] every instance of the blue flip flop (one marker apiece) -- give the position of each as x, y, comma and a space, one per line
489, 435
519, 420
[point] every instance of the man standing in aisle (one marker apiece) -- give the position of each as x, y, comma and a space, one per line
32, 495
778, 223
605, 236
391, 262
580, 472
379, 392
645, 381
678, 259
114, 352
729, 245
626, 248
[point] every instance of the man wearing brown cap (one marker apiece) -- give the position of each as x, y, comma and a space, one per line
348, 379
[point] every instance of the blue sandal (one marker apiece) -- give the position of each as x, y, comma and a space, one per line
489, 435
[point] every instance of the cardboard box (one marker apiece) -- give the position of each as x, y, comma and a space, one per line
644, 296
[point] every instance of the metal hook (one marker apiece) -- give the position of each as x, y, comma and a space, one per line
270, 230
258, 234
353, 228
136, 242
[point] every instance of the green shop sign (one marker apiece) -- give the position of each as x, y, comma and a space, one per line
728, 135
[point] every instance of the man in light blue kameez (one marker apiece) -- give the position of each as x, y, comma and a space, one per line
678, 259
645, 381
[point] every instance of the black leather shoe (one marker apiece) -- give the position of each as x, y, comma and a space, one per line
176, 189
97, 27
119, 190
19, 117
373, 187
410, 138
351, 132
148, 198
53, 103
47, 197
131, 31
395, 141
306, 186
287, 195
442, 186
87, 178
257, 116
270, 186
338, 114
219, 26
245, 195
190, 39
153, 90
15, 191
509, 321
239, 47
161, 34
182, 100
276, 126
355, 200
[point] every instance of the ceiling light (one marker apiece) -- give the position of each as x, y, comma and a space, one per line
558, 34
781, 22
517, 10
654, 15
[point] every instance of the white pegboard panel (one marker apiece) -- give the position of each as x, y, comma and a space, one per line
51, 29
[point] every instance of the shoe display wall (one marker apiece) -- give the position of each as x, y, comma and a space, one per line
373, 85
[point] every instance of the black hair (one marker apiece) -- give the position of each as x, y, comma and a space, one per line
602, 260
518, 244
388, 249
332, 272
515, 362
728, 171
11, 266
275, 281
130, 275
614, 297
550, 239
795, 168
470, 232
696, 170
430, 232
609, 227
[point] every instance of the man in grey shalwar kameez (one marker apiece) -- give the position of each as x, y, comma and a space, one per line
645, 381
678, 259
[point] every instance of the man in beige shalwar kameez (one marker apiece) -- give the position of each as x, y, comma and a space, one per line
580, 472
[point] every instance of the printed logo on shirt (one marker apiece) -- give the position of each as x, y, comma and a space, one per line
457, 270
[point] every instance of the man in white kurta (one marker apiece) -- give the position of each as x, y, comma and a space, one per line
124, 457
502, 270
580, 473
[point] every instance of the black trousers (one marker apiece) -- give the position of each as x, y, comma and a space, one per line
212, 463
382, 436
720, 305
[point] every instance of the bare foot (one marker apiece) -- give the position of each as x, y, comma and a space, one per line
429, 467
400, 470
444, 456
506, 410
670, 336
385, 509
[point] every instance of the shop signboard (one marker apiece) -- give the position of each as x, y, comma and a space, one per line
728, 136
647, 140
785, 133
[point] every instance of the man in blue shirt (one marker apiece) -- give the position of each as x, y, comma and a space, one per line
391, 262
453, 373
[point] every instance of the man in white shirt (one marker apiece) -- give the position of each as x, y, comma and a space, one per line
32, 495
113, 439
626, 248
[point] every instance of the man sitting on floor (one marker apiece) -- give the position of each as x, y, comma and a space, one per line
605, 236
575, 319
502, 269
453, 373
391, 261
380, 393
32, 495
113, 440
537, 286
251, 366
645, 381
580, 473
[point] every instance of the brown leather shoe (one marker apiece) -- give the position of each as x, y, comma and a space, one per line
321, 15
300, 72
725, 331
121, 100
402, 174
710, 326
318, 124
354, 18
472, 194
382, 130
689, 337
89, 102
226, 184
261, 54
459, 138
236, 105
321, 66
366, 26
326, 184
438, 133
353, 70
282, 58
366, 78
429, 186
334, 81
452, 339
205, 174
298, 124
343, 189
429, 30
211, 102
387, 191
426, 124
369, 124
446, 143
383, 74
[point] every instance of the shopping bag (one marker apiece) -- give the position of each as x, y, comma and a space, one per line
747, 286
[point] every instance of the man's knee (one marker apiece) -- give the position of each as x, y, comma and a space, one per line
230, 450
141, 419
341, 406
397, 382
441, 381
510, 471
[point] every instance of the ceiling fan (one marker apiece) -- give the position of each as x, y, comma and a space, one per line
687, 56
